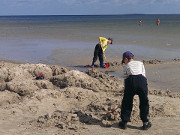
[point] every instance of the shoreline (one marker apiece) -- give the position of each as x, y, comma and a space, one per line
61, 52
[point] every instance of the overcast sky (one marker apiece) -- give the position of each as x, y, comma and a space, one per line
88, 7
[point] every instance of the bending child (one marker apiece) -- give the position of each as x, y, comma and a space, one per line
135, 84
100, 49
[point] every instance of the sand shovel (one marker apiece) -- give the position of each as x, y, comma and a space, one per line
113, 111
106, 63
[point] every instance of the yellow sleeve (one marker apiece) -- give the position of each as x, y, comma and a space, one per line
102, 39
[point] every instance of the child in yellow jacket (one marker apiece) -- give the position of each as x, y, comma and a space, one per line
100, 49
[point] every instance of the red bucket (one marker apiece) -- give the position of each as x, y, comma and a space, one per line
106, 65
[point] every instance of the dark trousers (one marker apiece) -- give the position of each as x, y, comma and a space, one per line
135, 85
98, 52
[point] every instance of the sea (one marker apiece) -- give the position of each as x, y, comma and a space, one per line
63, 39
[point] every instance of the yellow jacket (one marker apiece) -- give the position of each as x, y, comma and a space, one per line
103, 42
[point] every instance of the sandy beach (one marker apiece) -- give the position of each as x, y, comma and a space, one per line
69, 101
73, 99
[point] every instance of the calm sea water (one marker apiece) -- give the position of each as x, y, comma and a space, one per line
38, 38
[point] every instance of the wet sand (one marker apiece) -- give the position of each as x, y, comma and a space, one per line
68, 101
163, 75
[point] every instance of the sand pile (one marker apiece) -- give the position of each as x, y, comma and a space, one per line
112, 64
70, 99
118, 64
91, 80
153, 61
96, 112
164, 93
176, 60
7, 97
20, 78
59, 119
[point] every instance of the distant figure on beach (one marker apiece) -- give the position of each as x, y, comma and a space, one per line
99, 50
158, 22
140, 22
135, 84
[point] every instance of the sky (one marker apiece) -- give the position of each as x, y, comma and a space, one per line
88, 7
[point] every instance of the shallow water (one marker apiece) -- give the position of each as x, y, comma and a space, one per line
59, 39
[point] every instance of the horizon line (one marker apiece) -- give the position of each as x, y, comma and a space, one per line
87, 14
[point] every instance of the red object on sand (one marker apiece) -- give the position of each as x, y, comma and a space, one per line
106, 65
113, 111
41, 75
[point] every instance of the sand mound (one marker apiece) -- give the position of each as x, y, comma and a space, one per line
59, 119
70, 99
28, 86
26, 71
7, 97
80, 94
77, 79
164, 93
97, 82
154, 61
176, 60
96, 114
20, 78
118, 64
113, 64
66, 120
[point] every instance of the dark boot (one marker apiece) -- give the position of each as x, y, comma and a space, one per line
146, 125
123, 125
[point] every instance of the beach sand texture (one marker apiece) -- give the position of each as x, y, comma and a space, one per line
68, 101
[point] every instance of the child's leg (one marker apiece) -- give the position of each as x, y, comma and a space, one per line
101, 58
126, 107
143, 97
127, 102
144, 106
96, 51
